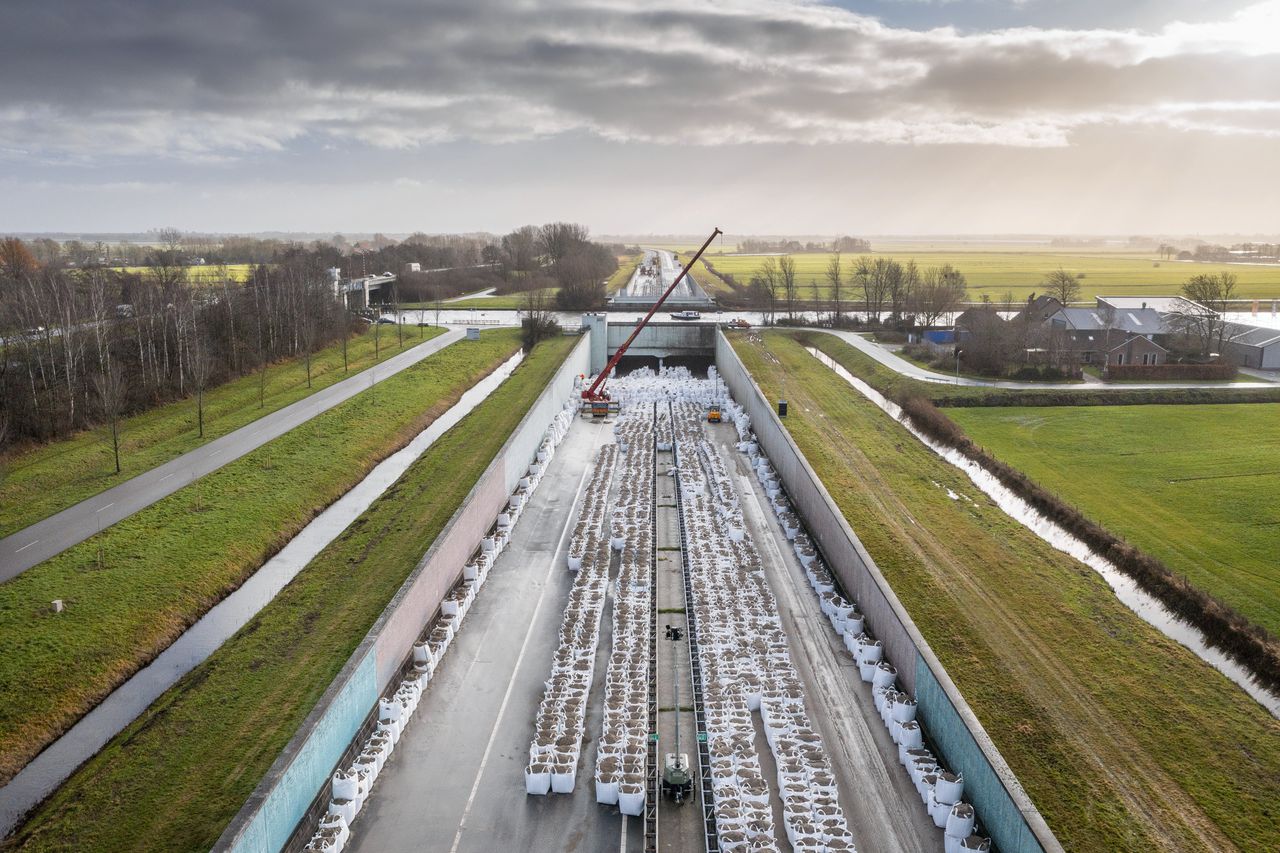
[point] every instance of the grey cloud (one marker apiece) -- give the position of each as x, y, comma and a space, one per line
82, 79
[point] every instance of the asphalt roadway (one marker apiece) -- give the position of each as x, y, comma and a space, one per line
880, 803
455, 783
50, 537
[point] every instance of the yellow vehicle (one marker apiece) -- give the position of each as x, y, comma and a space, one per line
713, 414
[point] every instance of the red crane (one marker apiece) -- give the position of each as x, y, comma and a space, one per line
596, 393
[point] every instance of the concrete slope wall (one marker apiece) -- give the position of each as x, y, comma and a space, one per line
268, 818
1014, 823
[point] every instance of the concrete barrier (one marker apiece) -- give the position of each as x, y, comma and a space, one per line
267, 820
1006, 812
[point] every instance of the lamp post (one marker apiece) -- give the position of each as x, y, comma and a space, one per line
958, 351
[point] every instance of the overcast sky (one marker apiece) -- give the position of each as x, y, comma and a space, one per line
642, 116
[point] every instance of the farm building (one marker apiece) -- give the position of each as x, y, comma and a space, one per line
1105, 334
1252, 346
1136, 349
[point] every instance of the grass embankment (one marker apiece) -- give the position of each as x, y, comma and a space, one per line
1198, 487
1124, 739
40, 481
168, 564
178, 774
895, 385
995, 273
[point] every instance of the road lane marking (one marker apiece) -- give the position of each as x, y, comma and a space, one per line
166, 476
622, 842
556, 559
25, 547
108, 506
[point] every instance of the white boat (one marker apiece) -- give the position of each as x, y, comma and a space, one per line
686, 315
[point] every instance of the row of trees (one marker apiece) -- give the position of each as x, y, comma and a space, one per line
558, 254
87, 344
888, 291
79, 348
840, 244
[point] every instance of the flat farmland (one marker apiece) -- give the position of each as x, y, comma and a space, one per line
208, 274
1196, 486
993, 273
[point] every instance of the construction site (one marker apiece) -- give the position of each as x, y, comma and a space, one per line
648, 650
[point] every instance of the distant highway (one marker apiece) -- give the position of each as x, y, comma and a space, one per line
44, 539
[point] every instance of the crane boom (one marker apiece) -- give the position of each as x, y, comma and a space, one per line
596, 391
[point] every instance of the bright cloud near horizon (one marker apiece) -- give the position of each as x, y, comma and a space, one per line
761, 116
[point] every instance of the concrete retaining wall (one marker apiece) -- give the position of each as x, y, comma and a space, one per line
1003, 807
271, 813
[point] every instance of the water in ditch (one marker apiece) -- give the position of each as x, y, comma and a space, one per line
53, 765
1125, 587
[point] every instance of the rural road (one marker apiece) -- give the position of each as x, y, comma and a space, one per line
50, 537
906, 368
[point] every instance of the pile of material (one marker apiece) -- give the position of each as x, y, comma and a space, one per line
939, 790
561, 719
746, 666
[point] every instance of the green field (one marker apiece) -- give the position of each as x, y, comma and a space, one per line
1123, 738
175, 777
37, 482
166, 565
995, 273
208, 274
1196, 486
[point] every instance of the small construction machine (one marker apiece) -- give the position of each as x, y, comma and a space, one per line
713, 413
677, 781
596, 398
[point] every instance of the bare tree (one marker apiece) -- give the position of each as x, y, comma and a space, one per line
835, 283
787, 277
539, 320
16, 261
766, 283
1062, 285
110, 388
1204, 318
941, 291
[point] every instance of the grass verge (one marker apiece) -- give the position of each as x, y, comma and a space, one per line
176, 776
38, 482
1124, 739
165, 566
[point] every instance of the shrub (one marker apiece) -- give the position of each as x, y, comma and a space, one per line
1217, 370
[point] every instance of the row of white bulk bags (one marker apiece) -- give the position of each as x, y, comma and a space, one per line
939, 790
350, 788
621, 756
560, 721
732, 601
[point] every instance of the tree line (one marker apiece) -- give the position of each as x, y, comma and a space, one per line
84, 343
887, 291
753, 246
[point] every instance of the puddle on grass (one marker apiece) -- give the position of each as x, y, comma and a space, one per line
1126, 588
53, 765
